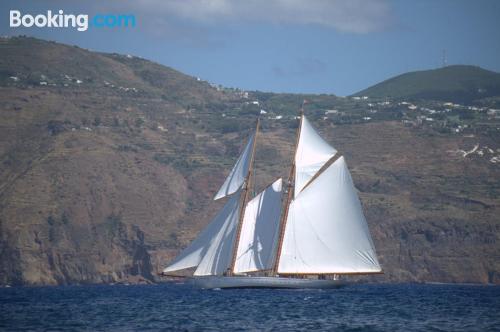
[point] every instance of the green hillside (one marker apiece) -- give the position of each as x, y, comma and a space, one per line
453, 83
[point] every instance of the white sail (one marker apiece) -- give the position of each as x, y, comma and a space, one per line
312, 153
219, 253
239, 172
259, 231
211, 250
326, 231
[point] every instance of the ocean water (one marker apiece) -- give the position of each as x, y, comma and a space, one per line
177, 307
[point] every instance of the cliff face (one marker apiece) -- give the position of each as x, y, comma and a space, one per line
110, 163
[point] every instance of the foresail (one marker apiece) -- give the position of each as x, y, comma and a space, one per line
236, 177
259, 231
209, 241
326, 231
217, 256
312, 153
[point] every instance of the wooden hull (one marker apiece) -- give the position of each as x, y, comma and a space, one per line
211, 282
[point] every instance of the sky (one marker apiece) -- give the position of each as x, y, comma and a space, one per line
300, 46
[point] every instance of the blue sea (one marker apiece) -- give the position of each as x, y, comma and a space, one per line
178, 307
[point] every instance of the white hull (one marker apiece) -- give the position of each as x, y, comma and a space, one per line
211, 282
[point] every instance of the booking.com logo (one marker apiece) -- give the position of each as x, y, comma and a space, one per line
61, 20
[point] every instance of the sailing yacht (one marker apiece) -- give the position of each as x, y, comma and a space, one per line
306, 232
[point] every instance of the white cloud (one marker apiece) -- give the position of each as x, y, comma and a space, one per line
352, 16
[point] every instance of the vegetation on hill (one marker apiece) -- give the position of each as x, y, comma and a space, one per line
457, 83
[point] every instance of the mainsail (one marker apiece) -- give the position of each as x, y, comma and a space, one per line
259, 231
238, 174
325, 229
312, 153
211, 251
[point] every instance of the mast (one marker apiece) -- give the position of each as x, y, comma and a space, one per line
290, 192
244, 202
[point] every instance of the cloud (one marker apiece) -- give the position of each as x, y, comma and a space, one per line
301, 68
350, 16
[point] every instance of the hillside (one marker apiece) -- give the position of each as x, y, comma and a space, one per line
452, 83
110, 163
